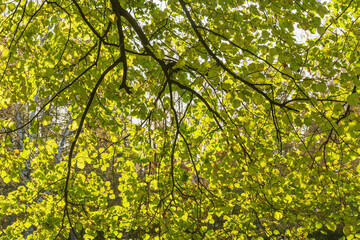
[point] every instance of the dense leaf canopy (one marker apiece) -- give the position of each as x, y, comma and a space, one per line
212, 119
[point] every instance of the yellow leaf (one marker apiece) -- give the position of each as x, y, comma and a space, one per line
6, 179
288, 199
358, 168
5, 53
80, 163
113, 17
263, 163
27, 225
125, 203
278, 215
185, 216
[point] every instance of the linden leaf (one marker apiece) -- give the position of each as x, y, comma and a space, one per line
278, 215
353, 99
80, 163
331, 226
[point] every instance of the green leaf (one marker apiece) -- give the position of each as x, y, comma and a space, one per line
321, 87
234, 114
318, 225
331, 226
347, 230
56, 128
353, 99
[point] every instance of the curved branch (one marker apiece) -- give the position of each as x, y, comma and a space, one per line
122, 47
101, 38
81, 124
55, 96
201, 98
220, 63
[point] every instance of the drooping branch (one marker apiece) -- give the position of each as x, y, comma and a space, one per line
73, 144
166, 68
92, 28
120, 11
82, 120
14, 36
123, 84
55, 96
200, 97
87, 21
67, 86
246, 50
223, 66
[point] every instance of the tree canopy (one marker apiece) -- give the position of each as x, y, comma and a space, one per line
213, 119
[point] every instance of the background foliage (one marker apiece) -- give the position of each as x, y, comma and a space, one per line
179, 119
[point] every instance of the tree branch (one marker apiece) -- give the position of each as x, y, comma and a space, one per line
220, 63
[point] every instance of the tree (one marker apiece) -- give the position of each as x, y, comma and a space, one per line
179, 119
